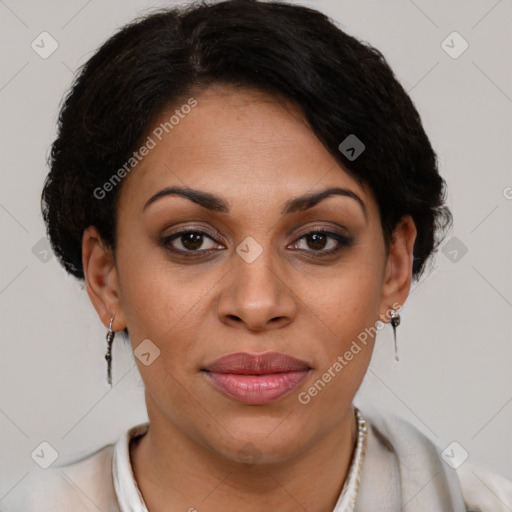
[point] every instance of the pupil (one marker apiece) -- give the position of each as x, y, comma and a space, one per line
192, 240
318, 241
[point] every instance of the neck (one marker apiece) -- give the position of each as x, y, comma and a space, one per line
173, 469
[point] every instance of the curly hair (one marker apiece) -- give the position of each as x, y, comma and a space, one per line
343, 86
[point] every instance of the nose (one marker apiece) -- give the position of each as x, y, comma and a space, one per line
255, 296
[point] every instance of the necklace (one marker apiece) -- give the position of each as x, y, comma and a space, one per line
347, 500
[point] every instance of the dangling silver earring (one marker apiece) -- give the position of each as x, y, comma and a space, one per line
395, 322
108, 356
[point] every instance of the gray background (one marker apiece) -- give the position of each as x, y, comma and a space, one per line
453, 380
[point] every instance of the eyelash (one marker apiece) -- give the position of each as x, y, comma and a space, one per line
343, 242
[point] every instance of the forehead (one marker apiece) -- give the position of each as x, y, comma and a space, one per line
237, 143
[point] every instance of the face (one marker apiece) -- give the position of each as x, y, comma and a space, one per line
259, 264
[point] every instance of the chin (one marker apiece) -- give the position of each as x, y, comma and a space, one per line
266, 440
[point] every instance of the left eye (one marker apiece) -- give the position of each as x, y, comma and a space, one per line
321, 241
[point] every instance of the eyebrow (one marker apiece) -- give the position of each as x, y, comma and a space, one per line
204, 199
217, 204
309, 200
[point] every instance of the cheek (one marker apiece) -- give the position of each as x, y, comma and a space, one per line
166, 305
347, 299
154, 294
158, 308
348, 309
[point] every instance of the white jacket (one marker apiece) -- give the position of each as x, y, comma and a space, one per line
402, 471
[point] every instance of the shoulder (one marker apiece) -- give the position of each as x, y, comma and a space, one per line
83, 485
484, 490
480, 489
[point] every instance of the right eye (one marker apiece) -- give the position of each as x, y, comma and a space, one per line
190, 241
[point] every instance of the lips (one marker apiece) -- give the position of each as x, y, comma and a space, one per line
256, 378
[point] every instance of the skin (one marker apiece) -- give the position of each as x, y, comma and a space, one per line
256, 152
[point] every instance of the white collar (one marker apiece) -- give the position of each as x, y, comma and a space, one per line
130, 498
128, 493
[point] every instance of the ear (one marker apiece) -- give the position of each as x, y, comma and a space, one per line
398, 272
101, 279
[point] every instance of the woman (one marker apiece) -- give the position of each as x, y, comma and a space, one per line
248, 192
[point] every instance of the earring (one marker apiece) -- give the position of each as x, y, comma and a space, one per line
395, 322
108, 356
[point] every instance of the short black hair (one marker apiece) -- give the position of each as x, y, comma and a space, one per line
342, 85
